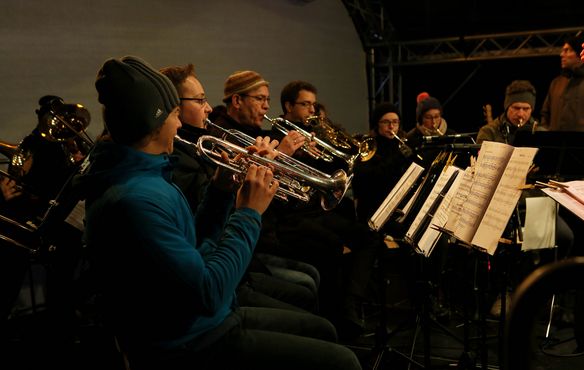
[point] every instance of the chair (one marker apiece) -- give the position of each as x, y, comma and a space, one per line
535, 291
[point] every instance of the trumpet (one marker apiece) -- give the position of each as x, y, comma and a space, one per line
297, 180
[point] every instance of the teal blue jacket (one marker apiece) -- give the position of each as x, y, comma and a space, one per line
166, 277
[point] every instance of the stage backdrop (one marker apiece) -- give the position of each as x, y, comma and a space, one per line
56, 47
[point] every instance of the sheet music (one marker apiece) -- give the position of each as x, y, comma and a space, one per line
438, 186
491, 163
463, 189
77, 216
395, 196
431, 235
566, 200
504, 199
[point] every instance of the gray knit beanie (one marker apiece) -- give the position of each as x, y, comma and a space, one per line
137, 98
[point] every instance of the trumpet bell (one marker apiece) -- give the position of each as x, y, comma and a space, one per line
367, 148
64, 121
330, 199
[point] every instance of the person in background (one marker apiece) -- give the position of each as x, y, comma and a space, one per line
39, 179
429, 120
517, 114
168, 279
193, 174
321, 237
563, 107
375, 178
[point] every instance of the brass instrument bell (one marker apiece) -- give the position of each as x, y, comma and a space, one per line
63, 121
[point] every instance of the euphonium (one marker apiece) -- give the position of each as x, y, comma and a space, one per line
296, 179
363, 148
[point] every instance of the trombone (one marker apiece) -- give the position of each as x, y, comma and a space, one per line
297, 180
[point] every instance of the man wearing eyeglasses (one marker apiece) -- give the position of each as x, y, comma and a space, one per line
247, 98
192, 175
308, 233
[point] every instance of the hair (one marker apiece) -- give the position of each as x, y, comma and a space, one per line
319, 108
292, 89
179, 74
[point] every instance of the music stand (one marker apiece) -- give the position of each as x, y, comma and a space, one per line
560, 155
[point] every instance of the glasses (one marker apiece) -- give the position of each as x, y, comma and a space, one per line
306, 104
259, 98
432, 118
201, 101
389, 122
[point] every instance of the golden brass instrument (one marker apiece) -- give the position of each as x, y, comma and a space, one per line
364, 147
65, 122
296, 179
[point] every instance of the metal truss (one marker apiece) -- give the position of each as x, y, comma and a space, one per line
480, 47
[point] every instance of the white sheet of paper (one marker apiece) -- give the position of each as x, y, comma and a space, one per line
540, 223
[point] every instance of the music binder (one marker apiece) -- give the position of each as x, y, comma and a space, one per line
395, 196
422, 233
490, 197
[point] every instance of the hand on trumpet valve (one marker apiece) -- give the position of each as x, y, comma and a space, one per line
258, 189
291, 142
10, 189
264, 147
224, 178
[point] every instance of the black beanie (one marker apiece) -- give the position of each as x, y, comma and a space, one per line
137, 99
425, 105
519, 91
379, 111
576, 42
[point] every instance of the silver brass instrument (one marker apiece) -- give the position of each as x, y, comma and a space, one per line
322, 152
296, 179
363, 148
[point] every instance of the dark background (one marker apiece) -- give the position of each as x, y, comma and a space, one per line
464, 87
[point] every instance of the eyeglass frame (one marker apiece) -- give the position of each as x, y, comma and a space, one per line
306, 104
201, 101
258, 98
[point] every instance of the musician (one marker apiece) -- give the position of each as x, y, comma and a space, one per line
192, 174
168, 278
517, 114
247, 99
309, 233
430, 122
562, 109
375, 178
45, 171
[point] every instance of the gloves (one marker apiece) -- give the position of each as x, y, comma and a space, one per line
406, 151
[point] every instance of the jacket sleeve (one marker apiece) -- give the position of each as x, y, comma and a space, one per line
207, 275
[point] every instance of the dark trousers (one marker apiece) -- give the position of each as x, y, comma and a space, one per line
264, 338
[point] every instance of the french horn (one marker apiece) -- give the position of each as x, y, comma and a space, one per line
296, 179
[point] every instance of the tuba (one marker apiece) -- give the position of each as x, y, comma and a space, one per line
297, 180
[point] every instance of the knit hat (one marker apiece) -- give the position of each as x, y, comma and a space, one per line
137, 98
421, 96
576, 42
425, 105
379, 111
241, 82
519, 91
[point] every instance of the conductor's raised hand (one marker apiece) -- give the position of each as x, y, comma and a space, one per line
258, 189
